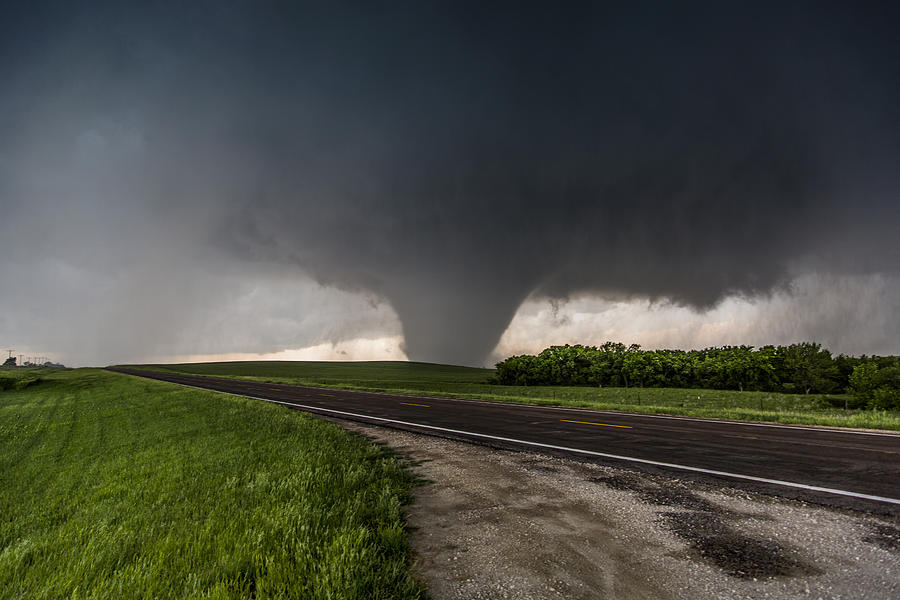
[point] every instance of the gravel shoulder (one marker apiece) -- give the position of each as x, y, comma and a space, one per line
489, 524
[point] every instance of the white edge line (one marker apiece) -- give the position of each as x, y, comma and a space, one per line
791, 484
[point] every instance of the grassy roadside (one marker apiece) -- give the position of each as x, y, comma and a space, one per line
119, 487
463, 382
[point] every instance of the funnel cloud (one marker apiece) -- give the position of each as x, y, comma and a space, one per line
161, 165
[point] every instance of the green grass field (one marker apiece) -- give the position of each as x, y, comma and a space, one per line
464, 382
120, 487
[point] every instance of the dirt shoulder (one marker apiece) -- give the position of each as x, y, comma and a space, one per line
496, 524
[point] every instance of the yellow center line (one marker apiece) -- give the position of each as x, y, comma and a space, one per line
600, 424
329, 395
745, 437
411, 404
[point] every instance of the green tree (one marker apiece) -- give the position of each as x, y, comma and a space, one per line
810, 368
638, 367
768, 363
738, 366
885, 399
864, 380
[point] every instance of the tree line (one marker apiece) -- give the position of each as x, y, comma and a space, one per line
803, 368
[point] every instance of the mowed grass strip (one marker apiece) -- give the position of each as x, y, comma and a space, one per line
113, 486
464, 382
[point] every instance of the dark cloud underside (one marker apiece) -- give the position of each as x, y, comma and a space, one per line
456, 159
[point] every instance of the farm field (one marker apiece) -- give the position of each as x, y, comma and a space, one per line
120, 487
465, 382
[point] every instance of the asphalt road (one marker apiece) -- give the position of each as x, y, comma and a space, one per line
846, 468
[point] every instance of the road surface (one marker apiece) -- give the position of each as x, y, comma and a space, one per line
848, 468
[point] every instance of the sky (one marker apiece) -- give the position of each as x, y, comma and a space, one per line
448, 182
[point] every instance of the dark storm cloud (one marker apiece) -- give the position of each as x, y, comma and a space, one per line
457, 159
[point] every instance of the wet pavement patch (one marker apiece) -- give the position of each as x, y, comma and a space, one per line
675, 495
886, 537
737, 554
704, 526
